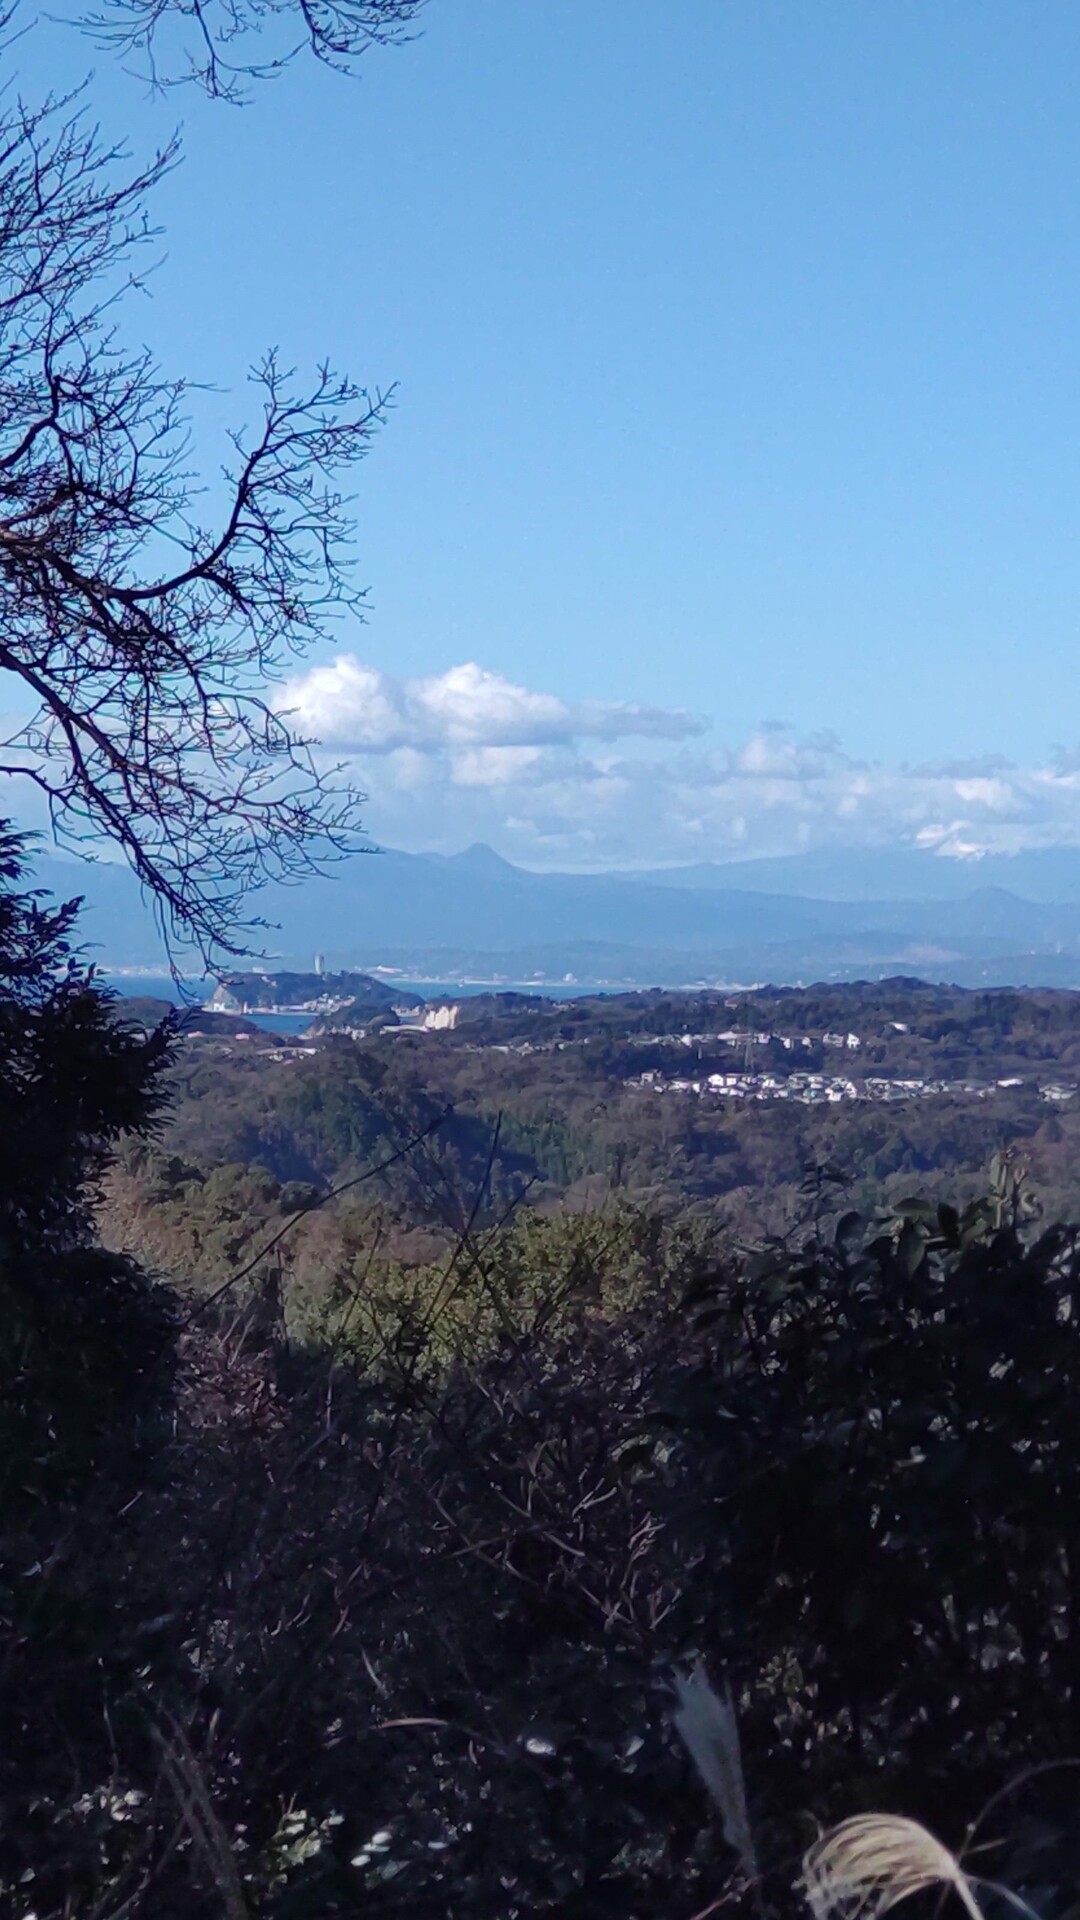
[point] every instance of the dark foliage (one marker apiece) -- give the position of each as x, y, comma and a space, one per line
390, 1624
82, 1333
72, 1078
78, 1330
879, 1431
416, 1651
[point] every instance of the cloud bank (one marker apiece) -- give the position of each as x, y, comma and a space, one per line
468, 755
354, 707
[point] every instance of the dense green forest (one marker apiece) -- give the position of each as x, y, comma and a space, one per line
396, 1426
590, 1108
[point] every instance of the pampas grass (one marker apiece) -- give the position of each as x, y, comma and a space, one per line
708, 1727
860, 1870
867, 1865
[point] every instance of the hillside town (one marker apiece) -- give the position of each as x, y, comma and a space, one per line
820, 1089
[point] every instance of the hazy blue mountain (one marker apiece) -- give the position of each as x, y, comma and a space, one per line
474, 913
115, 924
1048, 874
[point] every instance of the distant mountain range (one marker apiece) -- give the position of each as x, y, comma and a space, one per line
806, 917
1049, 874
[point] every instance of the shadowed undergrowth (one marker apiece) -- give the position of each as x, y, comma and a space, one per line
399, 1635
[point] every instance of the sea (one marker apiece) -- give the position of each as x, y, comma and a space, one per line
161, 986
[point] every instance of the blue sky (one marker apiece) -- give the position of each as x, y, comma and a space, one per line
738, 383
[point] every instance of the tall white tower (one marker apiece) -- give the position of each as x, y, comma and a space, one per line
319, 963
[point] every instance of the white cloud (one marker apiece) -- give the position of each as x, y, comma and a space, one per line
470, 755
774, 753
998, 795
353, 708
494, 766
346, 704
468, 706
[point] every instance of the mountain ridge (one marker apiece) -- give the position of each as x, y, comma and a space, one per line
393, 908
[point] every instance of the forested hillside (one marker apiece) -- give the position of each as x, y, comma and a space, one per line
705, 1108
394, 1420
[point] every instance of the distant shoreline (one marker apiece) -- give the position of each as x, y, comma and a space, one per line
143, 979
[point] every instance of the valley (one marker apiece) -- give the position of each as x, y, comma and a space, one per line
716, 1108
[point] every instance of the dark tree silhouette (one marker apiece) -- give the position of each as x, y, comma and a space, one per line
145, 633
73, 1080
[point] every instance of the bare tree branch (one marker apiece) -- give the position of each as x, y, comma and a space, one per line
210, 41
149, 641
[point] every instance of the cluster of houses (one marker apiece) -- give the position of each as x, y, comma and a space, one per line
821, 1089
740, 1083
791, 1042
